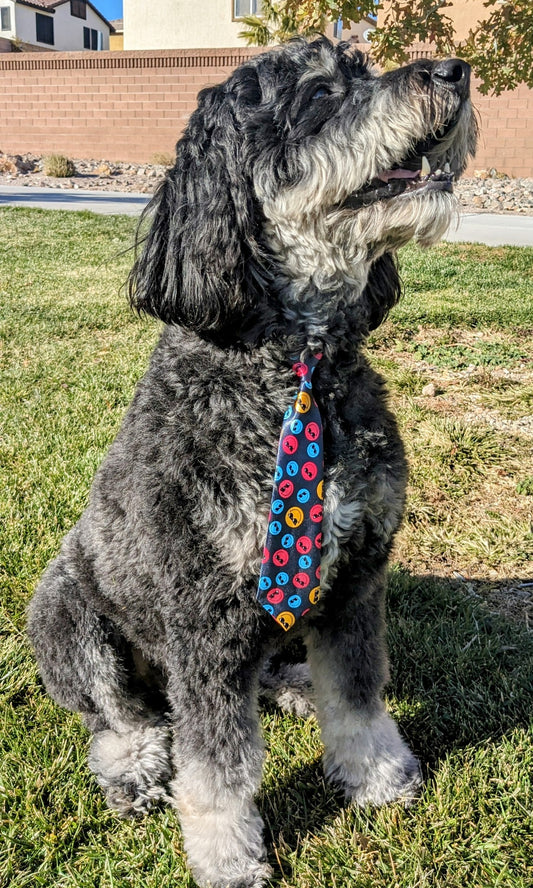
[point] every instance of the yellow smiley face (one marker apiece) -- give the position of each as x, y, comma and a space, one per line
286, 620
320, 490
303, 402
314, 595
294, 516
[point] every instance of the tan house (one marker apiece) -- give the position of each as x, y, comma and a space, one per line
45, 25
116, 38
187, 24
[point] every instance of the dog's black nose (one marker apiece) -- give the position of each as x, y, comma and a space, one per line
452, 73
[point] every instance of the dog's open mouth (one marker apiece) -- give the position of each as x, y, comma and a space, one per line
413, 174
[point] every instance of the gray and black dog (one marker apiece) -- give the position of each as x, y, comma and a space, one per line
274, 235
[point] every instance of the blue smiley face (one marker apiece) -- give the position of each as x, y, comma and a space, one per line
292, 468
313, 449
278, 506
287, 541
308, 384
303, 495
278, 474
265, 583
304, 562
287, 413
269, 609
274, 527
296, 426
282, 578
294, 601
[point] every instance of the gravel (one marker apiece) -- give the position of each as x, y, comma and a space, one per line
486, 191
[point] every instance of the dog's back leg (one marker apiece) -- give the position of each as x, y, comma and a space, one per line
81, 660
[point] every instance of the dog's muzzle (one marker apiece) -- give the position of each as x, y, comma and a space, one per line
413, 174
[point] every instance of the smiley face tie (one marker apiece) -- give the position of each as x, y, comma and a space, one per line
289, 583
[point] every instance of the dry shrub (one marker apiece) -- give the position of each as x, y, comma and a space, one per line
164, 158
58, 166
7, 166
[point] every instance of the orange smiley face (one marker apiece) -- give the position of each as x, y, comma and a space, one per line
303, 402
314, 595
286, 620
294, 516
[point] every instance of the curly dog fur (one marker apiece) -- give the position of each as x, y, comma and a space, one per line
274, 234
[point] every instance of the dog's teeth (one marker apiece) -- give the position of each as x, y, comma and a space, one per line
425, 169
447, 168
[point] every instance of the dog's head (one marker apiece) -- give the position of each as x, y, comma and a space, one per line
303, 171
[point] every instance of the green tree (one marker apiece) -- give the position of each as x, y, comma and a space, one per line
499, 47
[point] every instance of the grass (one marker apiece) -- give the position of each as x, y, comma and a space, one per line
461, 652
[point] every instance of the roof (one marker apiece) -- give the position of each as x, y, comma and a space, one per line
50, 6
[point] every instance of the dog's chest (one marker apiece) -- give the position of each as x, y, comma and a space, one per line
363, 473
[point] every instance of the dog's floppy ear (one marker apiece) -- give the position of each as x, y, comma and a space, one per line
383, 290
197, 264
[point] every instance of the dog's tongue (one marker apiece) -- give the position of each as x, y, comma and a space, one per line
398, 174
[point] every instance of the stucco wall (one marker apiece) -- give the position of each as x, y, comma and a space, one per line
180, 24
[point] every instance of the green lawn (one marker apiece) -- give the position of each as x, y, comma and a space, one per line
462, 655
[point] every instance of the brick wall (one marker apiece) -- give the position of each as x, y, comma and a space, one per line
132, 105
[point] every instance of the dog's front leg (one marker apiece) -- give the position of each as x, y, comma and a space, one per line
365, 754
218, 756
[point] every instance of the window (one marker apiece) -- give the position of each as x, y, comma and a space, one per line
45, 28
246, 7
5, 18
93, 39
78, 8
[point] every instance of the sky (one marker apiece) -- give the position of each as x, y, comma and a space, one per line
110, 9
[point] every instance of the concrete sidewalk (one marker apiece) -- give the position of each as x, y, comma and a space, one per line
483, 228
107, 202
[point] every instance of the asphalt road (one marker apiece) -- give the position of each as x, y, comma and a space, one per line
484, 228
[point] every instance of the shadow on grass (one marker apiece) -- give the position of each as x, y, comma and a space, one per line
461, 677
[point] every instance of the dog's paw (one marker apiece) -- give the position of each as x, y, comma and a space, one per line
256, 877
224, 845
376, 766
288, 686
133, 768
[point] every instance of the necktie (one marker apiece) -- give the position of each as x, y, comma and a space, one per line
289, 582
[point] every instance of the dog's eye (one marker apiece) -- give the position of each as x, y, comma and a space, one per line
320, 93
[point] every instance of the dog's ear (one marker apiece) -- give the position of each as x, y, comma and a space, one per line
383, 290
199, 263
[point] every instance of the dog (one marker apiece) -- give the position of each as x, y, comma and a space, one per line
272, 237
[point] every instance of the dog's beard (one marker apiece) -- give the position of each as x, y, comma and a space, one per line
370, 186
337, 247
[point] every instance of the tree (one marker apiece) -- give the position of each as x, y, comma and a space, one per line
499, 47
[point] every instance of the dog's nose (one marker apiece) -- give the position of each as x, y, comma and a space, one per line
452, 73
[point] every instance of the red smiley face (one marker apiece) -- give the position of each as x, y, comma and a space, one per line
303, 545
280, 558
266, 555
275, 596
316, 513
318, 541
301, 580
309, 471
300, 369
312, 431
289, 444
286, 489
